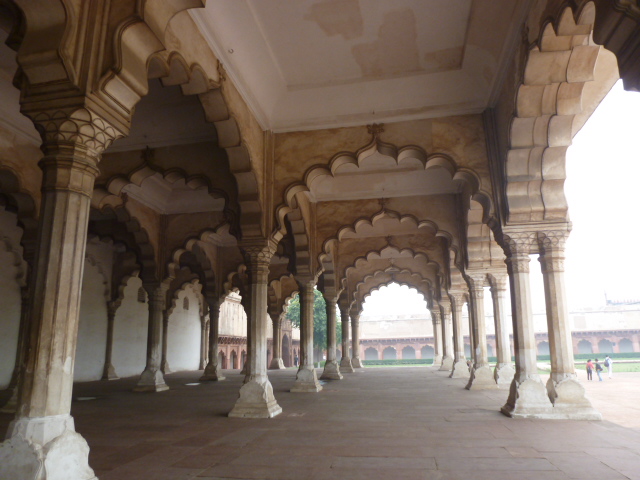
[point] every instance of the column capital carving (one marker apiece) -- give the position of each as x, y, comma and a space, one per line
436, 315
498, 282
446, 309
457, 300
476, 282
517, 243
552, 240
257, 252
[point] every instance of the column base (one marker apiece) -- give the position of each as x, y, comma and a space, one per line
45, 448
12, 404
331, 371
276, 364
244, 369
447, 364
151, 381
256, 400
569, 400
356, 363
528, 399
481, 378
437, 361
165, 367
345, 366
109, 373
503, 374
212, 373
306, 381
460, 370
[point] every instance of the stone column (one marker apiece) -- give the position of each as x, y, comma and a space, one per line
331, 367
213, 371
345, 362
355, 354
42, 435
460, 368
565, 391
527, 396
447, 340
203, 341
164, 365
246, 305
306, 379
470, 310
481, 374
276, 361
152, 379
256, 398
504, 370
436, 318
109, 372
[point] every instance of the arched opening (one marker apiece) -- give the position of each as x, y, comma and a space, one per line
585, 347
625, 346
605, 346
234, 360
467, 350
389, 353
490, 351
543, 348
408, 353
427, 352
371, 354
286, 351
222, 360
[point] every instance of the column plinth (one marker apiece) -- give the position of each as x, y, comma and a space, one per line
152, 378
306, 378
331, 367
256, 399
213, 370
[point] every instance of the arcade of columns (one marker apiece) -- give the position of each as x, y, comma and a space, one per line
446, 205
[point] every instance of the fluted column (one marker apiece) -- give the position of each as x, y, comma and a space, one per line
436, 318
164, 364
276, 361
345, 362
213, 370
246, 305
504, 371
109, 373
472, 352
43, 429
203, 340
565, 391
447, 339
355, 353
460, 368
527, 396
256, 398
306, 379
481, 374
331, 367
152, 378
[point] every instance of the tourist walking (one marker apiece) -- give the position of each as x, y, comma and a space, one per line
598, 369
589, 370
609, 364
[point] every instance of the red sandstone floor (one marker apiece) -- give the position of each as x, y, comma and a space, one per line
385, 423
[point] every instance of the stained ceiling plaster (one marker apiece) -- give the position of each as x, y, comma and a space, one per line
328, 63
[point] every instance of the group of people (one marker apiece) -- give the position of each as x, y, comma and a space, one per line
598, 368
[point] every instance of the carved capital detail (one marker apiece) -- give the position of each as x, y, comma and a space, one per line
552, 240
437, 316
517, 243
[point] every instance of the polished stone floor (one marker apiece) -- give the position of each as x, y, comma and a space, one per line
382, 423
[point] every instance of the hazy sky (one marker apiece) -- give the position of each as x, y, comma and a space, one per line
603, 168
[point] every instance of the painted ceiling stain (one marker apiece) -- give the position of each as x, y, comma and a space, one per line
338, 17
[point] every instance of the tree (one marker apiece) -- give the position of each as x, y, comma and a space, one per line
319, 320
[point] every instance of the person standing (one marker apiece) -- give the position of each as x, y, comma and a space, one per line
609, 364
589, 370
598, 369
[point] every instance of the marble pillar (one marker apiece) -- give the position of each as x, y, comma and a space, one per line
256, 398
447, 337
109, 373
331, 367
460, 368
306, 379
213, 370
164, 364
276, 361
504, 371
481, 373
11, 406
565, 391
355, 349
203, 341
41, 442
152, 378
345, 362
246, 304
527, 395
436, 318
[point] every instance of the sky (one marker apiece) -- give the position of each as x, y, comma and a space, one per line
603, 173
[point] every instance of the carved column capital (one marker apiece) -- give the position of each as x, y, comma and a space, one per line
552, 250
457, 300
257, 255
476, 283
517, 246
498, 283
436, 316
446, 309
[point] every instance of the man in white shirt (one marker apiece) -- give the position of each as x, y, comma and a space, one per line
609, 364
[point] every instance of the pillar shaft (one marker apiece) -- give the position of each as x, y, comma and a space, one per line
447, 337
345, 361
109, 372
276, 361
460, 368
256, 398
203, 341
436, 318
527, 395
152, 378
481, 373
164, 365
563, 387
503, 373
21, 354
331, 367
213, 370
306, 379
355, 354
